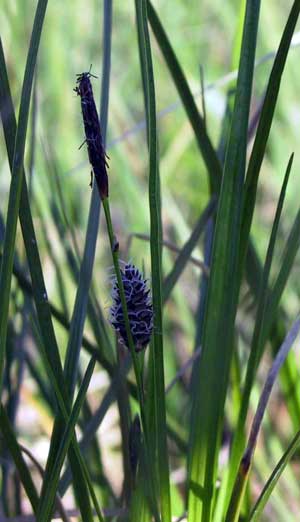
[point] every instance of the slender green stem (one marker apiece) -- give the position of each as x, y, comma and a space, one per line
137, 372
115, 255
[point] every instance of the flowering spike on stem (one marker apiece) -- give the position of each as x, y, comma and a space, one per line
93, 136
139, 306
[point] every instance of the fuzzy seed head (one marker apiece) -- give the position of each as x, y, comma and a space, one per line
139, 307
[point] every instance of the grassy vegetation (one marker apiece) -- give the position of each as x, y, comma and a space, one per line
198, 106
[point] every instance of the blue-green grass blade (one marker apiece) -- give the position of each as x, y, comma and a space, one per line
155, 249
209, 155
46, 501
263, 498
17, 177
21, 466
223, 291
124, 409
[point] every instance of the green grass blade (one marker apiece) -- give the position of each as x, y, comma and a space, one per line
76, 461
63, 226
85, 276
80, 307
222, 293
38, 288
209, 155
264, 126
287, 261
235, 58
17, 177
155, 248
257, 344
273, 321
263, 498
54, 259
89, 347
38, 284
46, 502
13, 446
236, 50
203, 286
93, 425
139, 507
186, 251
244, 468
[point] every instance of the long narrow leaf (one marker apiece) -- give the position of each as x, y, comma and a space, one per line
81, 301
264, 126
46, 503
17, 177
273, 479
13, 446
79, 312
244, 469
223, 294
38, 288
155, 249
182, 259
209, 155
38, 284
257, 345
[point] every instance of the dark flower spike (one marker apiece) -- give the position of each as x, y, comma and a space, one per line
139, 307
93, 136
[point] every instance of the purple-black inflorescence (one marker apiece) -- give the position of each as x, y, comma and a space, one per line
139, 307
93, 136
